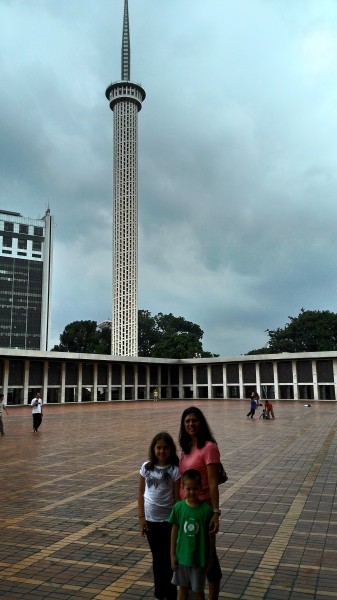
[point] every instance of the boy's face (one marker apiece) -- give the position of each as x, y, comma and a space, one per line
191, 489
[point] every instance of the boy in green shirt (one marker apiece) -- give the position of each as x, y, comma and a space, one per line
191, 543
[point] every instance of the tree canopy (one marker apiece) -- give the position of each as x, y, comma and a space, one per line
161, 336
83, 336
167, 336
310, 331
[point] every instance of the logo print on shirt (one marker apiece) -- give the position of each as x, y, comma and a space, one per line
191, 527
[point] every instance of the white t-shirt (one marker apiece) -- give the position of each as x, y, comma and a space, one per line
158, 495
38, 408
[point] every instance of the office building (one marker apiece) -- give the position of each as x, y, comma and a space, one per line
25, 280
125, 99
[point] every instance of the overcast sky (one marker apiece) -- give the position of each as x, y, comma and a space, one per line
237, 155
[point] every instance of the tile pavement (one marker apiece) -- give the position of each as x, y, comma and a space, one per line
68, 520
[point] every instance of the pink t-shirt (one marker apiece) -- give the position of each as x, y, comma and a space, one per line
198, 459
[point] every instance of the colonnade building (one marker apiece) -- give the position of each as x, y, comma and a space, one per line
64, 377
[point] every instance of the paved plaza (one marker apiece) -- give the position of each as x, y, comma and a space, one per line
68, 521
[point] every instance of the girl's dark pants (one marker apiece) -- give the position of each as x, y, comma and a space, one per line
37, 420
159, 538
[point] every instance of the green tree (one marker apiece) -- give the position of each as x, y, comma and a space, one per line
161, 336
310, 331
263, 350
174, 337
80, 336
104, 335
177, 345
148, 334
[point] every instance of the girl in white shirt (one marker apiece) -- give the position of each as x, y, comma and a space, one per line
159, 484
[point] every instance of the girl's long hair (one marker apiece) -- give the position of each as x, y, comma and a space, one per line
153, 460
204, 434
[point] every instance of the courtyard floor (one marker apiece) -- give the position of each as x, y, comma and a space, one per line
68, 509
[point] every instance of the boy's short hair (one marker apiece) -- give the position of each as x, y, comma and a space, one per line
193, 475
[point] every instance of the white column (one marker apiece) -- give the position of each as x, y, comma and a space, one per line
241, 392
79, 382
209, 381
95, 369
123, 381
224, 376
5, 375
26, 382
109, 383
295, 385
314, 378
194, 381
135, 382
258, 378
334, 366
181, 389
169, 386
63, 382
45, 381
275, 373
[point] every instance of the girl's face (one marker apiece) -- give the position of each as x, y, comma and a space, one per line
162, 452
192, 424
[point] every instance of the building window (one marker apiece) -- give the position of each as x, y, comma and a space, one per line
8, 226
23, 229
7, 241
37, 246
38, 231
22, 244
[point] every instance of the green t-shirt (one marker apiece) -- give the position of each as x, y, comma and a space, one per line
192, 540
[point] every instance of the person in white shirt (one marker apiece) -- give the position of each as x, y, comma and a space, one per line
36, 404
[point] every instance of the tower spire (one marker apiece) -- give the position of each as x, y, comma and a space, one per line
126, 45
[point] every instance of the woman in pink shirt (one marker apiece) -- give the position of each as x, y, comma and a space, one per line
200, 451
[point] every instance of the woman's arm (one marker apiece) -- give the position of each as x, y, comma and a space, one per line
176, 490
141, 509
213, 477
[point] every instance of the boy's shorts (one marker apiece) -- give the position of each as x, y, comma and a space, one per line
190, 577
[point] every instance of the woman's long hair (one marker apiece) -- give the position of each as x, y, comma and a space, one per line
204, 434
153, 460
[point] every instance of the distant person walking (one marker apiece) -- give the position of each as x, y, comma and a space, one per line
2, 407
155, 395
36, 404
253, 405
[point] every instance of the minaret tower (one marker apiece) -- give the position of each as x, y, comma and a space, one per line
125, 98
